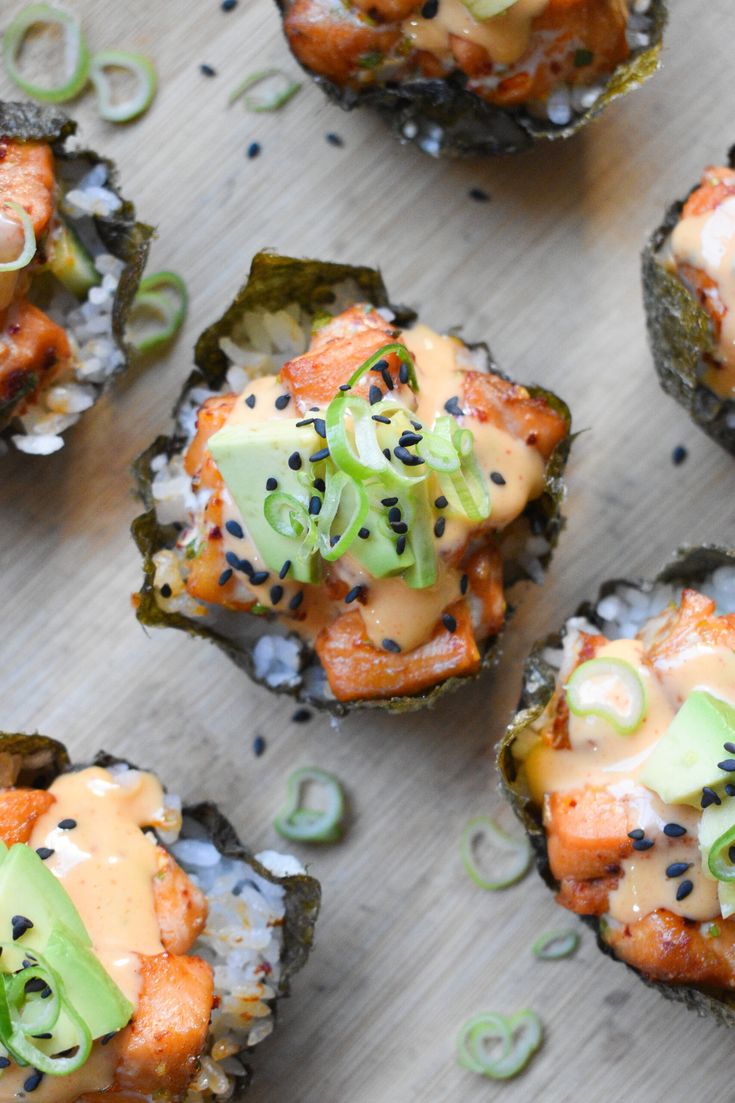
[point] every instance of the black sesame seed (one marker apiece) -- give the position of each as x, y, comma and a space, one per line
67, 825
400, 545
380, 366
319, 485
271, 483
228, 5
727, 764
677, 868
730, 747
383, 420
282, 401
463, 584
497, 478
285, 568
234, 529
301, 716
637, 833
408, 439
439, 525
320, 426
258, 746
322, 454
449, 622
20, 925
304, 421
233, 559
679, 455
684, 889
389, 501
44, 852
353, 594
46, 1034
276, 594
334, 540
417, 426
246, 567
225, 577
250, 401
403, 373
253, 150
479, 195
314, 409
46, 992
166, 590
259, 577
374, 394
399, 527
674, 830
35, 984
4, 1063
335, 140
31, 1082
386, 453
642, 844
296, 600
207, 70
441, 502
391, 645
363, 533
345, 386
430, 9
709, 796
387, 379
731, 854
394, 514
453, 407
730, 789
406, 457
294, 461
315, 505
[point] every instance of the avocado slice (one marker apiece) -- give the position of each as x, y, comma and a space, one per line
685, 758
70, 262
29, 888
377, 552
247, 457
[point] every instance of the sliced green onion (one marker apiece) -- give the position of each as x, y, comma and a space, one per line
277, 100
28, 251
465, 488
170, 309
438, 450
311, 825
610, 689
554, 945
486, 9
394, 349
139, 100
77, 52
720, 858
33, 1015
345, 507
287, 516
520, 1035
421, 540
483, 829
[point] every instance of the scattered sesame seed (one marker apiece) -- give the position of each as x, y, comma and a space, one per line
44, 852
731, 854
353, 594
363, 533
258, 746
345, 386
271, 483
250, 401
391, 645
730, 789
320, 426
4, 1062
228, 5
285, 568
730, 747
282, 401
642, 844
294, 461
441, 502
301, 716
304, 421
276, 593
31, 1082
379, 366
107, 1038
259, 577
374, 394
67, 825
497, 478
479, 195
684, 889
408, 438
225, 577
20, 925
449, 622
439, 525
315, 505
333, 540
235, 529
709, 796
389, 501
296, 600
400, 545
674, 830
727, 764
637, 833
233, 559
335, 140
166, 590
406, 457
403, 373
463, 584
319, 485
430, 9
383, 420
207, 70
453, 407
399, 527
394, 514
322, 454
679, 455
676, 869
35, 984
253, 150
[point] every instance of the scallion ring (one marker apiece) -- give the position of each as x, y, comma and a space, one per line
465, 487
720, 858
279, 99
153, 300
77, 52
28, 251
288, 516
483, 829
345, 507
481, 1029
611, 689
32, 1015
554, 945
311, 825
139, 100
520, 1035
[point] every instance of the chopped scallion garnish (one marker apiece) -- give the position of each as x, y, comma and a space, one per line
286, 89
553, 945
312, 825
481, 829
139, 100
76, 51
518, 1036
611, 689
161, 302
28, 251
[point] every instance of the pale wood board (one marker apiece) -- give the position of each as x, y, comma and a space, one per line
548, 271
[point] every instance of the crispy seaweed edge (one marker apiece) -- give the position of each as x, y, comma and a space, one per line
36, 760
124, 237
681, 339
273, 282
470, 126
688, 566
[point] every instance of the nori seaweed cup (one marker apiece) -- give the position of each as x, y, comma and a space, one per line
120, 233
681, 338
34, 761
457, 123
689, 567
274, 283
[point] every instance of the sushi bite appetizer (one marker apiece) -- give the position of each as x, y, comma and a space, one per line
71, 254
467, 77
621, 763
143, 947
347, 493
689, 296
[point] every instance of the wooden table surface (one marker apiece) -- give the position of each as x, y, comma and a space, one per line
407, 946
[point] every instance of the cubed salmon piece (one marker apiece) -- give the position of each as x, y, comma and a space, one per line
586, 833
181, 907
212, 415
33, 350
19, 810
27, 177
509, 406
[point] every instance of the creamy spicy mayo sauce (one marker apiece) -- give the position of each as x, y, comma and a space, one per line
707, 242
505, 37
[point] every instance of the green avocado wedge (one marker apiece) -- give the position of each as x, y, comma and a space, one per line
689, 567
274, 283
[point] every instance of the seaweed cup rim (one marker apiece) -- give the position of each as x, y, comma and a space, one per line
689, 565
276, 281
489, 130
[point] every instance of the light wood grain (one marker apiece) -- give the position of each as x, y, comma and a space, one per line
407, 946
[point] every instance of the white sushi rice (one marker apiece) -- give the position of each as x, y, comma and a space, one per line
96, 355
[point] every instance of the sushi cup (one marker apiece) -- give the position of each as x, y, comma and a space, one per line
289, 320
673, 946
62, 313
172, 1012
453, 98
